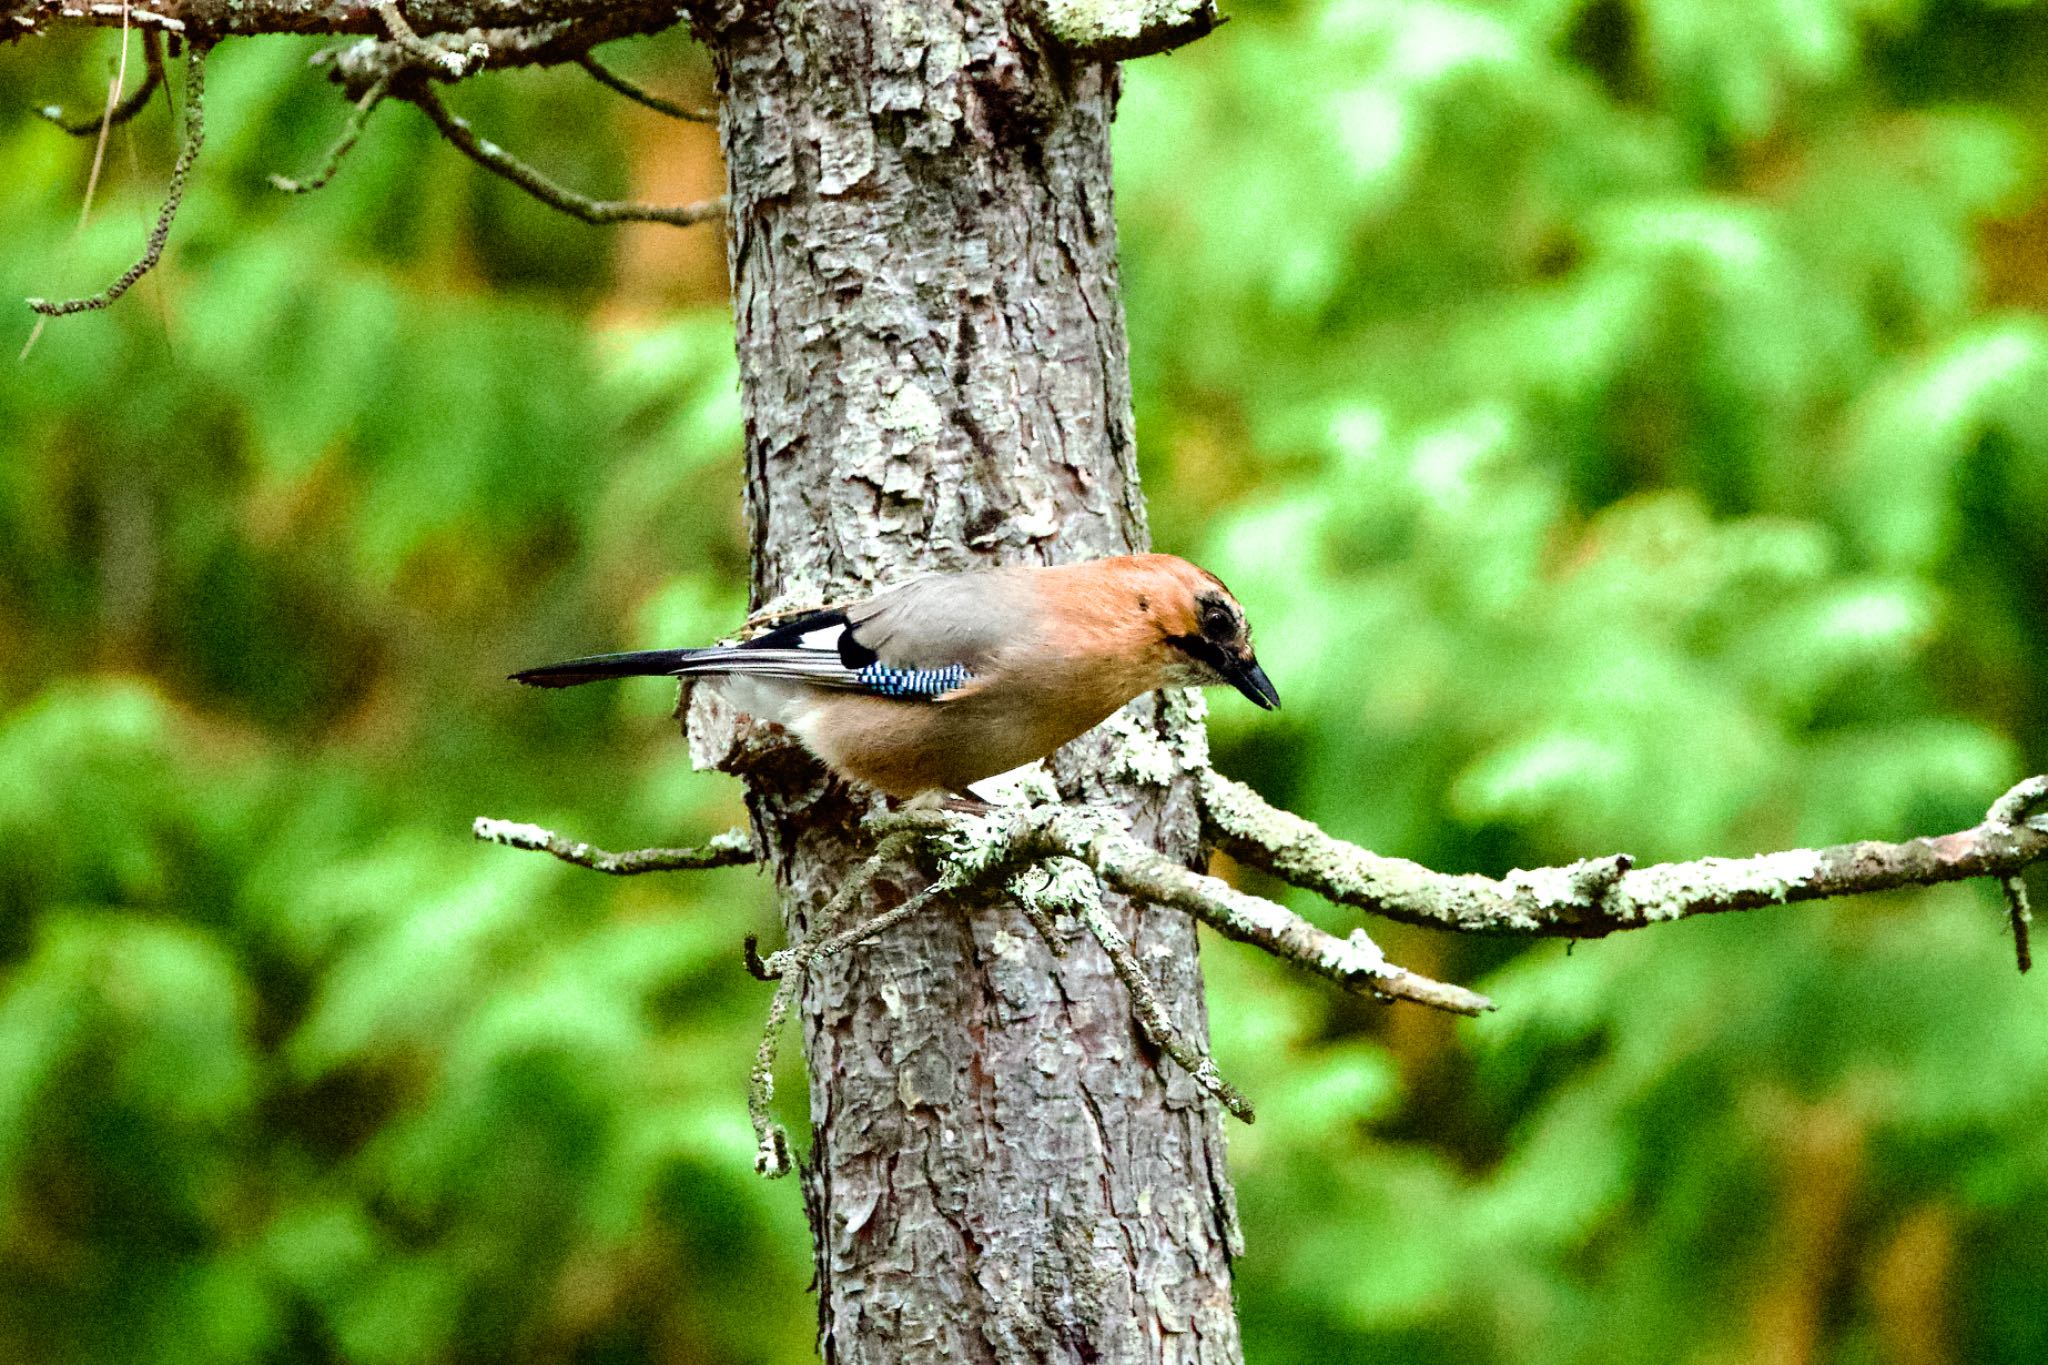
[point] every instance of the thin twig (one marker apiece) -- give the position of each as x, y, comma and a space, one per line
1158, 1024
498, 161
605, 76
1042, 920
351, 129
128, 107
730, 849
888, 919
188, 152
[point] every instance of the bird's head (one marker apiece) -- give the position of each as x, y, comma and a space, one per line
1203, 631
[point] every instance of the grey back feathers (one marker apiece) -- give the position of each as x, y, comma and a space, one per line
957, 618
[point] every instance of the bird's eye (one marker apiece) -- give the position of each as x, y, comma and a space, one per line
1217, 622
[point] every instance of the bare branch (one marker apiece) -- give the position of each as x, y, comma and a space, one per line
188, 152
733, 848
351, 130
129, 107
1595, 898
606, 77
497, 160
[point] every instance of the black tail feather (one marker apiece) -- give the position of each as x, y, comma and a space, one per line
643, 663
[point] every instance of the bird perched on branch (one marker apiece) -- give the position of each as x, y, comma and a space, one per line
956, 677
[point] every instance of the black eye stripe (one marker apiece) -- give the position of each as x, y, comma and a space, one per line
1201, 650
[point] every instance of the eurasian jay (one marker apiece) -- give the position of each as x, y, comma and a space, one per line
952, 678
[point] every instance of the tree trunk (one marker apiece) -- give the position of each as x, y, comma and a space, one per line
934, 374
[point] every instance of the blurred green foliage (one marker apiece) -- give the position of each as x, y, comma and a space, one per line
1627, 423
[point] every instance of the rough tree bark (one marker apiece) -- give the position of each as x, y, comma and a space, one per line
934, 375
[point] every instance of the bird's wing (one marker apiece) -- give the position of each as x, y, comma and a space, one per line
924, 641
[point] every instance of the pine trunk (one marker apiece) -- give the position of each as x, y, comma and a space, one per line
934, 374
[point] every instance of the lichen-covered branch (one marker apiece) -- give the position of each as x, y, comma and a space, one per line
1153, 1015
1007, 838
730, 849
789, 969
1594, 898
188, 152
431, 55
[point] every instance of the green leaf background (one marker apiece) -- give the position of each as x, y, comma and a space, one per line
1626, 423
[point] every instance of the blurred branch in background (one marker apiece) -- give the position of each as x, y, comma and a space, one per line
344, 143
611, 80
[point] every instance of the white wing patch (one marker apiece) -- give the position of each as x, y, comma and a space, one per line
823, 638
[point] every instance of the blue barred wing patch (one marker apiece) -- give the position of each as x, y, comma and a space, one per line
916, 683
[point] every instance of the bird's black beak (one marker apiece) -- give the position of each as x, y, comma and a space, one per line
1248, 678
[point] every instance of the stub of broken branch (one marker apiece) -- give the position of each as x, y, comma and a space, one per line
1117, 30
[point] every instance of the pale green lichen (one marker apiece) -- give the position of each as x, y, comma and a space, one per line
1551, 888
1124, 24
1057, 886
1144, 756
1676, 890
1141, 755
913, 412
